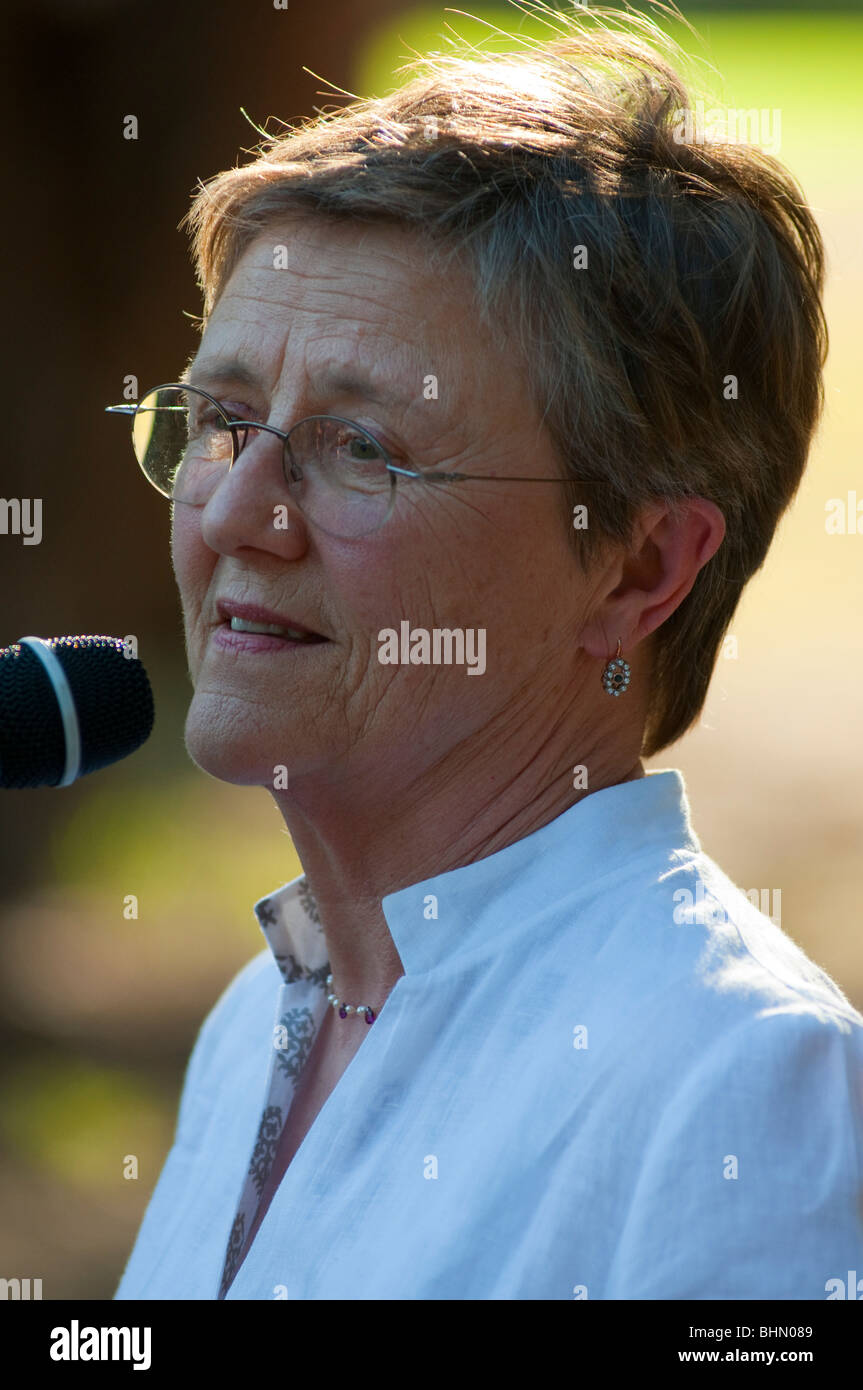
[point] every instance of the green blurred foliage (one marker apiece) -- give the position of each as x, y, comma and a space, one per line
76, 1122
807, 64
186, 840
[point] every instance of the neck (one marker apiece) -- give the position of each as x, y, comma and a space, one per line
369, 834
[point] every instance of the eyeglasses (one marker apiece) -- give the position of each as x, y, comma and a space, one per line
338, 475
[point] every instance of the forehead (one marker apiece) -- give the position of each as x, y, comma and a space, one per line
317, 295
314, 277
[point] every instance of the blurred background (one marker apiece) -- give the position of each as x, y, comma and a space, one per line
98, 1013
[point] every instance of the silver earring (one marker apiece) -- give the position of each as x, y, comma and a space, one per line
616, 676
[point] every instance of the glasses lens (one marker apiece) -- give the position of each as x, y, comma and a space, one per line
182, 442
338, 476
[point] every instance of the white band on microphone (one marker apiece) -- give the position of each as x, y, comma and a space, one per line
65, 703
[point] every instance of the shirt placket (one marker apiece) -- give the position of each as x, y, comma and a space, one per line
300, 1011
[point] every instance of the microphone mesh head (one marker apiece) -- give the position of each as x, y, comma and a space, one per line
113, 700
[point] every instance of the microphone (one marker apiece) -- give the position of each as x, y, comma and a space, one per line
69, 706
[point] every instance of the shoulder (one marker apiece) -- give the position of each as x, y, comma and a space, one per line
705, 933
718, 1009
257, 981
751, 1117
232, 1034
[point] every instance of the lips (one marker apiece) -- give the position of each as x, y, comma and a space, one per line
253, 618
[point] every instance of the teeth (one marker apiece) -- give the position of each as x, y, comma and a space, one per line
243, 625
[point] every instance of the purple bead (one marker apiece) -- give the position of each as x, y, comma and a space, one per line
370, 1016
343, 1013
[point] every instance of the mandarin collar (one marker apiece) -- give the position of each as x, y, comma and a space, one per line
452, 913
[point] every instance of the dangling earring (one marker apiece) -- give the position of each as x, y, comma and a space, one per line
615, 677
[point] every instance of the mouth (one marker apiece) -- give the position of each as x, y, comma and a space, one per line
272, 630
257, 622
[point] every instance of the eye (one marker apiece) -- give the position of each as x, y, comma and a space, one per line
236, 412
203, 417
351, 449
363, 449
369, 444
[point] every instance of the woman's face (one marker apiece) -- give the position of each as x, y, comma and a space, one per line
360, 303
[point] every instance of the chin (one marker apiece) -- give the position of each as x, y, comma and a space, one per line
229, 751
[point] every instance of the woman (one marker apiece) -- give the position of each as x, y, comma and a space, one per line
499, 377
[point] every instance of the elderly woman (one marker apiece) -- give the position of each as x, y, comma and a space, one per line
502, 390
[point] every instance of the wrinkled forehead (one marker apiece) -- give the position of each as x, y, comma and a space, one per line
351, 307
368, 273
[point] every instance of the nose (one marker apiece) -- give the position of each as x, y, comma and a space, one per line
251, 506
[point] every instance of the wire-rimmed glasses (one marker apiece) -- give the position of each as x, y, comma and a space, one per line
338, 475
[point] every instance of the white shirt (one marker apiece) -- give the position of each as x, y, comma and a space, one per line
604, 1074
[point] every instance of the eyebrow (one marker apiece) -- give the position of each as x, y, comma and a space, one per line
341, 380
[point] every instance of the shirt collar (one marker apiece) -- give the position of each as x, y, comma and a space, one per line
440, 917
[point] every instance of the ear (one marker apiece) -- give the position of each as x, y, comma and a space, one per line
646, 582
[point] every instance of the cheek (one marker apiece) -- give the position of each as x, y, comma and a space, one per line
193, 562
366, 581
